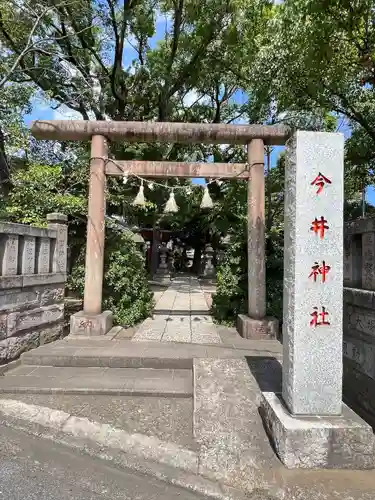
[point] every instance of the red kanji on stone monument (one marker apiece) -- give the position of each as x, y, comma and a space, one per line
321, 270
320, 181
319, 318
318, 226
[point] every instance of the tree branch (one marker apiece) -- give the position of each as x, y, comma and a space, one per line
29, 44
165, 94
189, 68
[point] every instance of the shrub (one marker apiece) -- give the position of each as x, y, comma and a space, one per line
231, 295
125, 289
231, 292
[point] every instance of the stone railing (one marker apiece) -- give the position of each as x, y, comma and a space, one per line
359, 317
32, 283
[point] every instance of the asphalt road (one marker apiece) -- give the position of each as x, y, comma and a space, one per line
36, 469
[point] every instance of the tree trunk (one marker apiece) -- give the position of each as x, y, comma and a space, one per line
4, 167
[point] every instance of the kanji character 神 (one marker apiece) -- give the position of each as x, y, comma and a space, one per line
319, 270
319, 181
319, 319
318, 226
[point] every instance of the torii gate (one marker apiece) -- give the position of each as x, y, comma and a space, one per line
92, 320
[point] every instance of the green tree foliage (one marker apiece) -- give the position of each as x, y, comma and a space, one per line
77, 50
78, 57
14, 102
231, 294
40, 189
318, 55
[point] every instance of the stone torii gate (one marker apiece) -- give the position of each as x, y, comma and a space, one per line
92, 320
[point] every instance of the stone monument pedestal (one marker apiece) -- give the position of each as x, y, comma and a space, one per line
318, 442
249, 328
90, 324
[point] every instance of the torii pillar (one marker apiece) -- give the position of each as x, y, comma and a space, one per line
92, 321
256, 325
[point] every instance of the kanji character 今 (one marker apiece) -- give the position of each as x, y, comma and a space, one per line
319, 319
319, 270
318, 226
319, 181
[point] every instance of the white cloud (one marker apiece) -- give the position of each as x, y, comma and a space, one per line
240, 121
163, 18
132, 69
71, 70
65, 113
192, 97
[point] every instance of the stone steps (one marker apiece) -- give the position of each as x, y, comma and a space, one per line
88, 359
72, 352
97, 380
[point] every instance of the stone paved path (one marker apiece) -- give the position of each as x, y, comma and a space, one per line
181, 315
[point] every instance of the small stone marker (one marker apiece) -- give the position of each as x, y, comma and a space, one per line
309, 425
313, 274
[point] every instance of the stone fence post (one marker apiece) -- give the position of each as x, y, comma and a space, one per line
58, 222
359, 254
352, 261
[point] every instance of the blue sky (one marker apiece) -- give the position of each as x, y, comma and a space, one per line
42, 111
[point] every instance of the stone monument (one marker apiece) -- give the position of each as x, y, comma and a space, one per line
308, 423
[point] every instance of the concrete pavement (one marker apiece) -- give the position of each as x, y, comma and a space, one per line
181, 314
34, 469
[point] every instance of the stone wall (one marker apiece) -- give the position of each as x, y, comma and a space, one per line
32, 285
359, 317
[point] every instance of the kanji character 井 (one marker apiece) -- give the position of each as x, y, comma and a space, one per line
318, 226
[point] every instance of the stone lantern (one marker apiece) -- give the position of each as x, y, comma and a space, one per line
163, 273
209, 269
